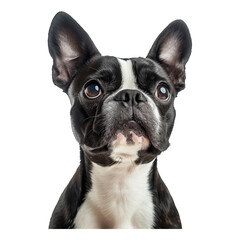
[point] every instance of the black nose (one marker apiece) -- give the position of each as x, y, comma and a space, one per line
130, 97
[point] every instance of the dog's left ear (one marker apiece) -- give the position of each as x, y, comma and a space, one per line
171, 50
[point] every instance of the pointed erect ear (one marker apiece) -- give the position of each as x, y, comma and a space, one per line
70, 47
172, 50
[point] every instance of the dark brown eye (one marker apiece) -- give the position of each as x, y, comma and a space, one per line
162, 92
93, 90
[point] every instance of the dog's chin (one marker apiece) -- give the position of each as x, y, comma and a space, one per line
127, 142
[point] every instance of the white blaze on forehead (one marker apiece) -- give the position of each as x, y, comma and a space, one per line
128, 77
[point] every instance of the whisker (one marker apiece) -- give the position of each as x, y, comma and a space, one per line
93, 68
95, 116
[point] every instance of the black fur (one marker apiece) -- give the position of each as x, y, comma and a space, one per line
80, 63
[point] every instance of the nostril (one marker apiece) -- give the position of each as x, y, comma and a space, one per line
122, 96
139, 97
126, 97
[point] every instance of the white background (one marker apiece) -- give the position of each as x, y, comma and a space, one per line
39, 155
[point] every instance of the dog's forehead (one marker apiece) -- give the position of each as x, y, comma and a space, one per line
127, 69
142, 71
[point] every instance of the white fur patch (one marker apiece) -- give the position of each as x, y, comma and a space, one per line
128, 77
122, 151
119, 198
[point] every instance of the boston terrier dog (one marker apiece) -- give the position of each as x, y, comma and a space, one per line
122, 115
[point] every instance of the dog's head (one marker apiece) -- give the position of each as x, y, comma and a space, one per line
122, 109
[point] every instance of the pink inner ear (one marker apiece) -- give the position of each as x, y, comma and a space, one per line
69, 49
169, 51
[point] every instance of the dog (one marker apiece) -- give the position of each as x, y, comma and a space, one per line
122, 115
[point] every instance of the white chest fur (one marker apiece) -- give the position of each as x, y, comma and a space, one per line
119, 198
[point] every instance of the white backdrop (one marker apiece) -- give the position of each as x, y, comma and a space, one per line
39, 154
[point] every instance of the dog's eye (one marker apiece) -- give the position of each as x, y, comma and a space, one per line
162, 92
93, 90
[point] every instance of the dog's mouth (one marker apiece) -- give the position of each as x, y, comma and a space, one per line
128, 134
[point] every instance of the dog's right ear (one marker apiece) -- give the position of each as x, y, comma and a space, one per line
70, 47
171, 50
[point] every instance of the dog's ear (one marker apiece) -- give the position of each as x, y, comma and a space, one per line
171, 50
70, 47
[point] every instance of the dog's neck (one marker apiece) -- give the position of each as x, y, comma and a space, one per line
120, 177
119, 195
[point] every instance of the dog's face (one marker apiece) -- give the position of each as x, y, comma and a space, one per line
122, 109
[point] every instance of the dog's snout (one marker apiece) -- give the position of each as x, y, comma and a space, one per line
130, 97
